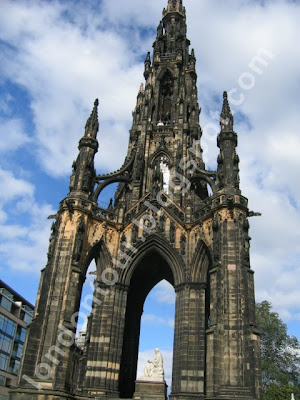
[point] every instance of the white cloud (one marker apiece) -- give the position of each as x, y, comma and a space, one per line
163, 293
12, 187
22, 246
13, 133
156, 320
63, 86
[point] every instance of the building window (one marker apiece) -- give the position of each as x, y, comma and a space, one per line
7, 325
6, 303
18, 349
21, 334
26, 317
2, 380
14, 366
3, 361
5, 343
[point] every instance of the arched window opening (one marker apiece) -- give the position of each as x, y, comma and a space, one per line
200, 189
209, 190
164, 167
85, 304
157, 328
107, 196
161, 173
151, 270
166, 94
78, 359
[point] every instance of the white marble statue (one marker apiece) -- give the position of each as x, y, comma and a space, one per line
292, 396
154, 370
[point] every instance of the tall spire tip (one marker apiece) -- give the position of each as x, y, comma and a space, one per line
226, 114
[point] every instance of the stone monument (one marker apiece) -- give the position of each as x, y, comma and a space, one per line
172, 219
154, 370
152, 384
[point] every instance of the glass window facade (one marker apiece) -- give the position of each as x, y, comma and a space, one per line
6, 303
26, 317
7, 325
4, 361
21, 334
18, 349
14, 366
5, 343
15, 315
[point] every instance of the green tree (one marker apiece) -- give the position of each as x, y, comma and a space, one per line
280, 356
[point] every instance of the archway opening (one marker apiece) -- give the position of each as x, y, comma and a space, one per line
157, 328
85, 308
151, 270
107, 196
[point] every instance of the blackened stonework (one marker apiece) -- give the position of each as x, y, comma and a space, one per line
170, 219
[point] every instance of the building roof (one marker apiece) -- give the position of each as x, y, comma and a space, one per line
17, 296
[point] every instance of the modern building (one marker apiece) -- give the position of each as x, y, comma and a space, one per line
15, 315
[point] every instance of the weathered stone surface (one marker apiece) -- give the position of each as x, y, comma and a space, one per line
150, 390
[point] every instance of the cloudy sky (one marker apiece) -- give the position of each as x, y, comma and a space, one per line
58, 56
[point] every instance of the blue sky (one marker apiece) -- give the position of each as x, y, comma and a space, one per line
58, 56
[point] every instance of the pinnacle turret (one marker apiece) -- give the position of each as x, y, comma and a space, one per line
148, 58
175, 5
226, 115
82, 178
228, 160
92, 124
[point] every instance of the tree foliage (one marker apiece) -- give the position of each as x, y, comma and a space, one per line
280, 355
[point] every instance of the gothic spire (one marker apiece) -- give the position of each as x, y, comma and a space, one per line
92, 124
83, 173
226, 115
175, 5
228, 160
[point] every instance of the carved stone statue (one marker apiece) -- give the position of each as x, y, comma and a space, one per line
172, 232
182, 244
154, 370
73, 176
51, 240
79, 240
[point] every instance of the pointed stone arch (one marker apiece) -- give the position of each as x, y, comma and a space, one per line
154, 261
164, 71
201, 263
159, 244
162, 152
100, 253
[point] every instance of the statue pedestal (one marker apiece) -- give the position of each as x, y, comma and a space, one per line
150, 390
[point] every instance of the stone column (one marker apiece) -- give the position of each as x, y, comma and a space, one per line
52, 333
189, 342
232, 350
106, 342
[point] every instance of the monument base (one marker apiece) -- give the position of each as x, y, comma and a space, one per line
150, 390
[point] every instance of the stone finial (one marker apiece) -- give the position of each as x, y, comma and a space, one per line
174, 5
226, 115
141, 90
148, 59
92, 124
